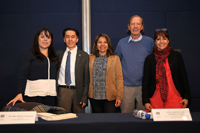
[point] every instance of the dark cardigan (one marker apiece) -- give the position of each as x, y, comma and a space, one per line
32, 69
178, 71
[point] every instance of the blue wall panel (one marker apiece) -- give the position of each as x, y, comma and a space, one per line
125, 6
184, 34
39, 6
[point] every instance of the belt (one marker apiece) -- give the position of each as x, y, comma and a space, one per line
69, 87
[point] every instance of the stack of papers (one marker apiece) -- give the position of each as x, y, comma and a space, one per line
54, 117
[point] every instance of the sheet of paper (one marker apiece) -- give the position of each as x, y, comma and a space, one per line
182, 114
54, 117
18, 117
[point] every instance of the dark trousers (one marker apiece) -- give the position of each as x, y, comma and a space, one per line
47, 100
102, 106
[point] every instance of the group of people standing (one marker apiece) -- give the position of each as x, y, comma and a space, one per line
138, 74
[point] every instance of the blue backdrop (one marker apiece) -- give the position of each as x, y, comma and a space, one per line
20, 20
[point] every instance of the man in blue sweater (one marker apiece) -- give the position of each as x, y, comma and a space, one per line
132, 51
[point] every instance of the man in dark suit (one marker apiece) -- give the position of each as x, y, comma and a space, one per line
73, 75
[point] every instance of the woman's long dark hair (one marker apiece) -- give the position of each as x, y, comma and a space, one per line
36, 51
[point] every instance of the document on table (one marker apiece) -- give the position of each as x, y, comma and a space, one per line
18, 117
54, 117
182, 114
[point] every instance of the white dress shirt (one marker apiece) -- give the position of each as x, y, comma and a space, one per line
61, 78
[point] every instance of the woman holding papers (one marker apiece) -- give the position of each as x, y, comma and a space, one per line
106, 79
37, 75
165, 82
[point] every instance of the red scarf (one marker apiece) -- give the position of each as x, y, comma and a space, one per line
161, 78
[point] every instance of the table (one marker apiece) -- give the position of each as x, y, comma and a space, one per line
106, 123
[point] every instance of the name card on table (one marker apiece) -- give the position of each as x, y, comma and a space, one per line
18, 117
182, 114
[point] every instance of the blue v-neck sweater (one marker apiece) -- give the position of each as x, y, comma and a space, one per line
132, 55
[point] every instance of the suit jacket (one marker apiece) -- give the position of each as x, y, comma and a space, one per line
81, 75
178, 71
114, 78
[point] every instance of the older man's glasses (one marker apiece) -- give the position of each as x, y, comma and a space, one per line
163, 29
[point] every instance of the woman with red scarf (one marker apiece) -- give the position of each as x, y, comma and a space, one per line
165, 82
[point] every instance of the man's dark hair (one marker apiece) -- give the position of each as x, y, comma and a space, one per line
75, 30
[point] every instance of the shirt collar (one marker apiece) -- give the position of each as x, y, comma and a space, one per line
136, 40
75, 49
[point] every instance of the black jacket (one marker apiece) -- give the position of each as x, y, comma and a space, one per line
32, 69
178, 71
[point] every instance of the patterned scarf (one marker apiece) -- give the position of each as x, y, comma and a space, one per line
161, 78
